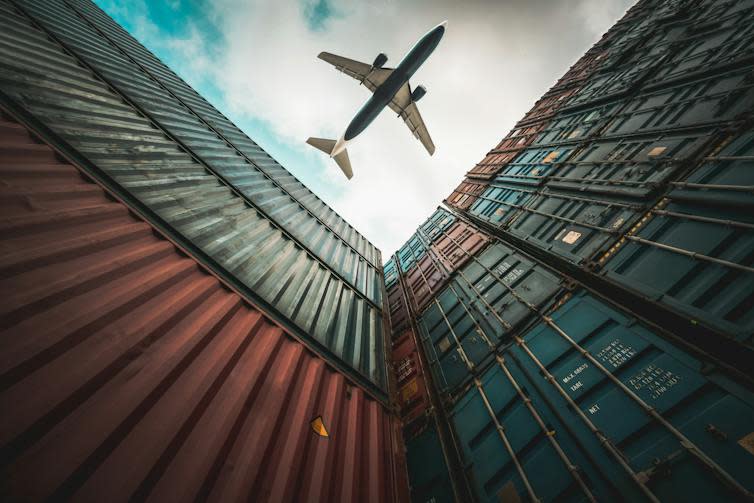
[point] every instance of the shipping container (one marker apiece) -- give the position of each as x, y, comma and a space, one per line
479, 310
424, 280
517, 139
413, 399
591, 405
719, 36
129, 371
466, 194
325, 290
584, 67
176, 116
548, 105
399, 315
490, 165
500, 203
284, 183
428, 470
390, 272
440, 220
695, 252
533, 165
713, 101
456, 244
427, 277
633, 166
635, 52
409, 253
574, 127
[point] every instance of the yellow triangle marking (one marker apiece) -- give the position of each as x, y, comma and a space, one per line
319, 427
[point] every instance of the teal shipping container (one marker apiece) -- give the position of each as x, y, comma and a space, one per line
591, 405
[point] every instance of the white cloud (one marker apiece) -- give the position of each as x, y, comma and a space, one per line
495, 60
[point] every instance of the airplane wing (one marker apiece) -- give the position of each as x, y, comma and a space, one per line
407, 110
364, 73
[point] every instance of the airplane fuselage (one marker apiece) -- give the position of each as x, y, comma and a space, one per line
387, 90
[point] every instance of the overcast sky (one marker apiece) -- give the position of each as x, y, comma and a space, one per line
255, 60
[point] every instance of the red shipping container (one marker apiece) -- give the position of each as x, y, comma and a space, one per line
458, 242
412, 390
424, 280
130, 371
466, 194
546, 107
488, 167
397, 308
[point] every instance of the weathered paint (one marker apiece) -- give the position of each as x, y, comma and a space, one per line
694, 253
399, 316
590, 404
128, 371
285, 184
412, 388
517, 139
479, 311
320, 284
439, 221
466, 193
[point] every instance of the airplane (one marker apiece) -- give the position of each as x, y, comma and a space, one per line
390, 88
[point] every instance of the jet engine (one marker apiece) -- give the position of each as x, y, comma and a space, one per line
380, 60
417, 93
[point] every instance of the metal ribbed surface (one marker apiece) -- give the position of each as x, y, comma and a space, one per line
196, 202
207, 112
356, 265
127, 371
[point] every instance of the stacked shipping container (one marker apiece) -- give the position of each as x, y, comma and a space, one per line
599, 346
119, 107
130, 371
182, 318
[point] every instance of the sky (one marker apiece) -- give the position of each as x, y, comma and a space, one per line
256, 61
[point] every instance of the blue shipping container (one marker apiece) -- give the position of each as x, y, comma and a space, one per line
488, 299
696, 253
427, 470
592, 405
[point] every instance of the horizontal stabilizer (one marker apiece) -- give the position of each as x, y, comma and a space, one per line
327, 147
344, 163
322, 144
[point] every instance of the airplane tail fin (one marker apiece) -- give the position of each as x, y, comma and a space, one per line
327, 147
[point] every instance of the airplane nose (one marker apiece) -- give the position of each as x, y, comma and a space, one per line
443, 24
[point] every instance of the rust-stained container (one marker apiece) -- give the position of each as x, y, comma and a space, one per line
195, 176
130, 372
466, 194
547, 105
452, 247
519, 137
458, 243
490, 165
516, 140
412, 389
425, 280
399, 317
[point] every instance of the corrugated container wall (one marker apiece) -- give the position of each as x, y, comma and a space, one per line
86, 79
129, 372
